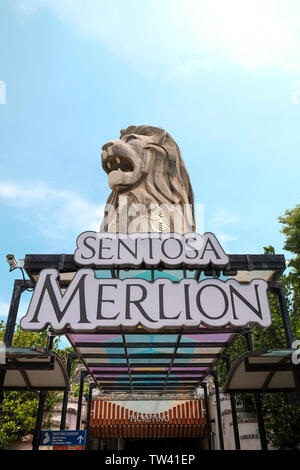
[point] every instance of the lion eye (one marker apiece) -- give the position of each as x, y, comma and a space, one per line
131, 137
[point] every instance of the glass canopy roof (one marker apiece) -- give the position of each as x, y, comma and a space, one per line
136, 360
262, 371
33, 369
141, 361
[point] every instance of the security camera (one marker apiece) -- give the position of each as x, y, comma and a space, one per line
13, 263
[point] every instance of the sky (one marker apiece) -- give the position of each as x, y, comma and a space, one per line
223, 78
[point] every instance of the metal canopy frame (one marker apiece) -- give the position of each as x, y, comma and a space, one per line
170, 360
174, 374
26, 361
241, 267
255, 367
65, 263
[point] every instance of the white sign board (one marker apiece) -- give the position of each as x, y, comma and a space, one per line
90, 303
105, 250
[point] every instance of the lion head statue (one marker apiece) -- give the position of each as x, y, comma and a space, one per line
151, 189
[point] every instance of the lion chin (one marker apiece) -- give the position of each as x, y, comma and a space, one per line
145, 167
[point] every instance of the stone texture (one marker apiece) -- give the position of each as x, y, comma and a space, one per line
146, 170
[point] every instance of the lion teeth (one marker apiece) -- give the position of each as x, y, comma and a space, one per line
118, 160
110, 151
108, 164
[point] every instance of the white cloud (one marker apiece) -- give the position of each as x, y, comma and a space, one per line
222, 217
224, 238
180, 37
219, 224
23, 307
4, 307
54, 213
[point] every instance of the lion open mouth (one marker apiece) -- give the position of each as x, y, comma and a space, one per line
118, 163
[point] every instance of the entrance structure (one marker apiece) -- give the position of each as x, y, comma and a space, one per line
172, 363
125, 358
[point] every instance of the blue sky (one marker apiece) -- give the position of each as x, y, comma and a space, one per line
223, 78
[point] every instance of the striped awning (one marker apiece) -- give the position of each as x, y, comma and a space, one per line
148, 419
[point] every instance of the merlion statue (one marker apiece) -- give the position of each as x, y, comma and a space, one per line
151, 189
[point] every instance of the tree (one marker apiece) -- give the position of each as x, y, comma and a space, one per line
291, 230
281, 411
18, 410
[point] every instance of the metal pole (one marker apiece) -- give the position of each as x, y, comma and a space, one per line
43, 395
259, 413
70, 360
19, 287
216, 382
204, 386
278, 289
233, 410
39, 421
296, 374
89, 408
83, 374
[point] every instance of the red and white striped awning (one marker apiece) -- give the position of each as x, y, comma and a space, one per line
169, 419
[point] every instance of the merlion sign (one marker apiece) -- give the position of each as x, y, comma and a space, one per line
158, 231
90, 303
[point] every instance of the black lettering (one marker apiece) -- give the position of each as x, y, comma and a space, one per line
150, 240
212, 248
89, 246
198, 301
191, 248
101, 300
161, 304
133, 253
164, 251
187, 302
101, 247
48, 287
258, 311
137, 303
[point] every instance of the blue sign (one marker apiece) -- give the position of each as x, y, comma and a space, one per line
63, 438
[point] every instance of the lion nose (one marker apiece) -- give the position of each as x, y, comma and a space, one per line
108, 144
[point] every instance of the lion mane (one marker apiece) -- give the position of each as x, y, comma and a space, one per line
164, 184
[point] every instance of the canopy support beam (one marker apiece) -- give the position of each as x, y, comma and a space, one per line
19, 287
42, 400
259, 414
70, 359
219, 415
204, 386
89, 409
83, 374
233, 409
278, 290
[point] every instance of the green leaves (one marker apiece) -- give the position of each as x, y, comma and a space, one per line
17, 416
281, 412
291, 230
18, 410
